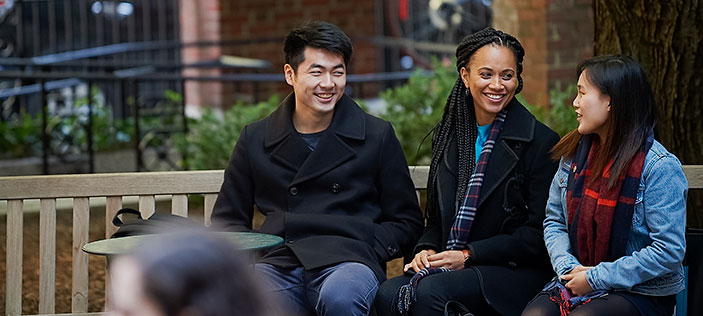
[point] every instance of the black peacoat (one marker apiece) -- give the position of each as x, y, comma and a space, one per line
351, 199
505, 241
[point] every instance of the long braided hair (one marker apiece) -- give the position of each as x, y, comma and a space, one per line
459, 119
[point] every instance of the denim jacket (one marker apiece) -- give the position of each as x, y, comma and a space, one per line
656, 243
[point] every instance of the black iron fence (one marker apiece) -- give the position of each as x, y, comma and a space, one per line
55, 52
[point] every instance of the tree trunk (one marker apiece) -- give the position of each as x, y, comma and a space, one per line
666, 37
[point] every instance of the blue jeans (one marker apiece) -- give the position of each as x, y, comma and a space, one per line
348, 288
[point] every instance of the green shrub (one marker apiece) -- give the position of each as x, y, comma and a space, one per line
108, 133
561, 116
22, 137
211, 138
415, 107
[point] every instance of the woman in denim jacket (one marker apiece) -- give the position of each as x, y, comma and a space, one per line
615, 218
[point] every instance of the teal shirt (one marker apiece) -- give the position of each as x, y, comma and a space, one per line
481, 138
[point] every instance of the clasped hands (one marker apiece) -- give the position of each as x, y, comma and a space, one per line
450, 259
576, 281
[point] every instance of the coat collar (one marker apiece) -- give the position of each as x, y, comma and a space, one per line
519, 126
348, 120
287, 147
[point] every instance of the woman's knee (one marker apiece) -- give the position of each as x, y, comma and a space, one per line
541, 306
387, 294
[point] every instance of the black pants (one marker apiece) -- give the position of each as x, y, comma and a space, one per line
616, 304
433, 292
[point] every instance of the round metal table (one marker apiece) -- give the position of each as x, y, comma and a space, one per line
252, 242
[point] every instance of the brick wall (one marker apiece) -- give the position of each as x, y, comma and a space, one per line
569, 40
200, 22
525, 19
556, 35
264, 24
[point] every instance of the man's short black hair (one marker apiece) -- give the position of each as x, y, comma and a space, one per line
316, 34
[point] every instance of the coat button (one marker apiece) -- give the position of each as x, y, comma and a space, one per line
293, 191
392, 249
290, 241
336, 188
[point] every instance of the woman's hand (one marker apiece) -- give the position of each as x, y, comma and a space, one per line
450, 259
420, 261
577, 282
579, 268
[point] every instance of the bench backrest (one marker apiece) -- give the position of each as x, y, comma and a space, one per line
145, 185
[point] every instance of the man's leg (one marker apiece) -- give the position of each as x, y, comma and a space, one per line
286, 286
347, 288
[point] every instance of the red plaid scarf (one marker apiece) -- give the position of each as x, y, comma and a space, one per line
599, 217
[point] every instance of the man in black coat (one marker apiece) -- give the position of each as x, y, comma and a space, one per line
330, 179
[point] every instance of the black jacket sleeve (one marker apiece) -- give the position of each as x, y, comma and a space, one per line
400, 223
234, 207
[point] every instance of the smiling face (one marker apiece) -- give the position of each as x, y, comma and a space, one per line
592, 108
491, 77
318, 83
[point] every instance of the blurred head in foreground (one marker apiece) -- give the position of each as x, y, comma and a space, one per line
185, 274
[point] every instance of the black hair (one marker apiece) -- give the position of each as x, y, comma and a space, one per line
316, 34
201, 272
632, 112
459, 119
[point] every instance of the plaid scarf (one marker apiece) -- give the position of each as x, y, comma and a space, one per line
407, 293
567, 302
600, 217
459, 234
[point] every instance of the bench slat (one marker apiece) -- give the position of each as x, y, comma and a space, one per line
209, 205
112, 205
47, 255
81, 224
419, 174
13, 298
111, 184
179, 205
694, 175
147, 205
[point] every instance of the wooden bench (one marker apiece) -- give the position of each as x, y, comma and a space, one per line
114, 187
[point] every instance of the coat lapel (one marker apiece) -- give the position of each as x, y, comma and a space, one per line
349, 121
288, 148
504, 158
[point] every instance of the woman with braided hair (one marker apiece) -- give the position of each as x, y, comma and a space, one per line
616, 214
488, 186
